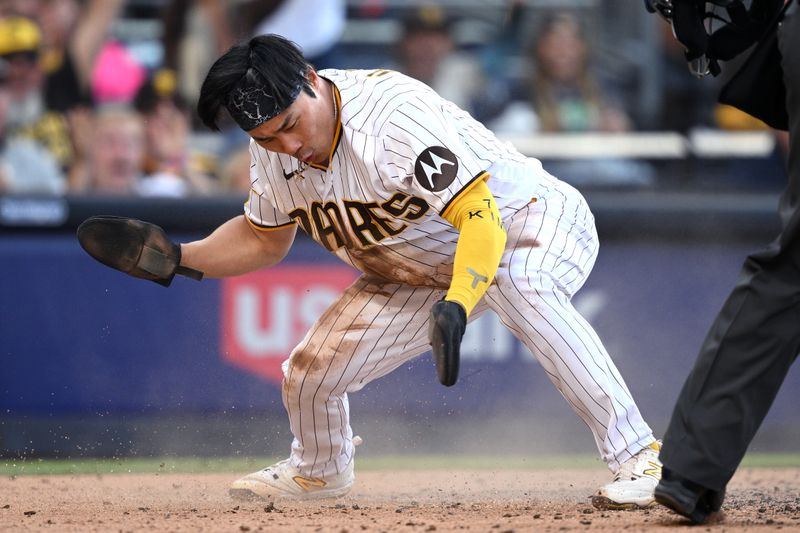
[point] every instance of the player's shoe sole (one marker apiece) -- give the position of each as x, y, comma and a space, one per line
250, 495
604, 503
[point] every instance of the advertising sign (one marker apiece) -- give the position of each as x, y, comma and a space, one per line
266, 313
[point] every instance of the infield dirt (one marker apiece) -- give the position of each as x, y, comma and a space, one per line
406, 500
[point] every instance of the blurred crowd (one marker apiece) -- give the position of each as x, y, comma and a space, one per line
97, 96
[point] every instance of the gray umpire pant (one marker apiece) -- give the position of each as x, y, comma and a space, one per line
756, 336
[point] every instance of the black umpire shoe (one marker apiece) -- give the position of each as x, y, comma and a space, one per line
687, 498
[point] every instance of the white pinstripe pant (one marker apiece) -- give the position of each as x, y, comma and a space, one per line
374, 328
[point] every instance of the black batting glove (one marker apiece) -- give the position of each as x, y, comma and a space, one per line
446, 328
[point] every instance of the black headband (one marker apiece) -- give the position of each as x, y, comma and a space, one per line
252, 106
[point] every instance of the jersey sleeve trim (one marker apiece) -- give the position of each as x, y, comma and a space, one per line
482, 176
259, 227
337, 136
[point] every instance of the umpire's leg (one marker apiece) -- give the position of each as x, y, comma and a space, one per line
754, 339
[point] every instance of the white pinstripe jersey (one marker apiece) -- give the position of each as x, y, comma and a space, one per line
402, 155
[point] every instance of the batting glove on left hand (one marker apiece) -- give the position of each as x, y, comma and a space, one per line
446, 328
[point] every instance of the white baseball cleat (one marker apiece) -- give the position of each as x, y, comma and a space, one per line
284, 481
634, 483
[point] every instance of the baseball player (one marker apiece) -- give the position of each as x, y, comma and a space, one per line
445, 223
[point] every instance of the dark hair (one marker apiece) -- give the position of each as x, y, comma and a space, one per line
270, 62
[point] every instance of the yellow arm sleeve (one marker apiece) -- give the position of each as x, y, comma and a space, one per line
480, 244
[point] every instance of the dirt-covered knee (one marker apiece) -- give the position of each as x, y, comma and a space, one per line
306, 368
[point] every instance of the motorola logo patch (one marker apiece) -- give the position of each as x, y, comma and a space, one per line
436, 168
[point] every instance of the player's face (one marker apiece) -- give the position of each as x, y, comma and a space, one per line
305, 129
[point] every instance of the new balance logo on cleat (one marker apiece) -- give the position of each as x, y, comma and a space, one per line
654, 471
309, 483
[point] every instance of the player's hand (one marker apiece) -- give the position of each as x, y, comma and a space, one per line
446, 328
135, 247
